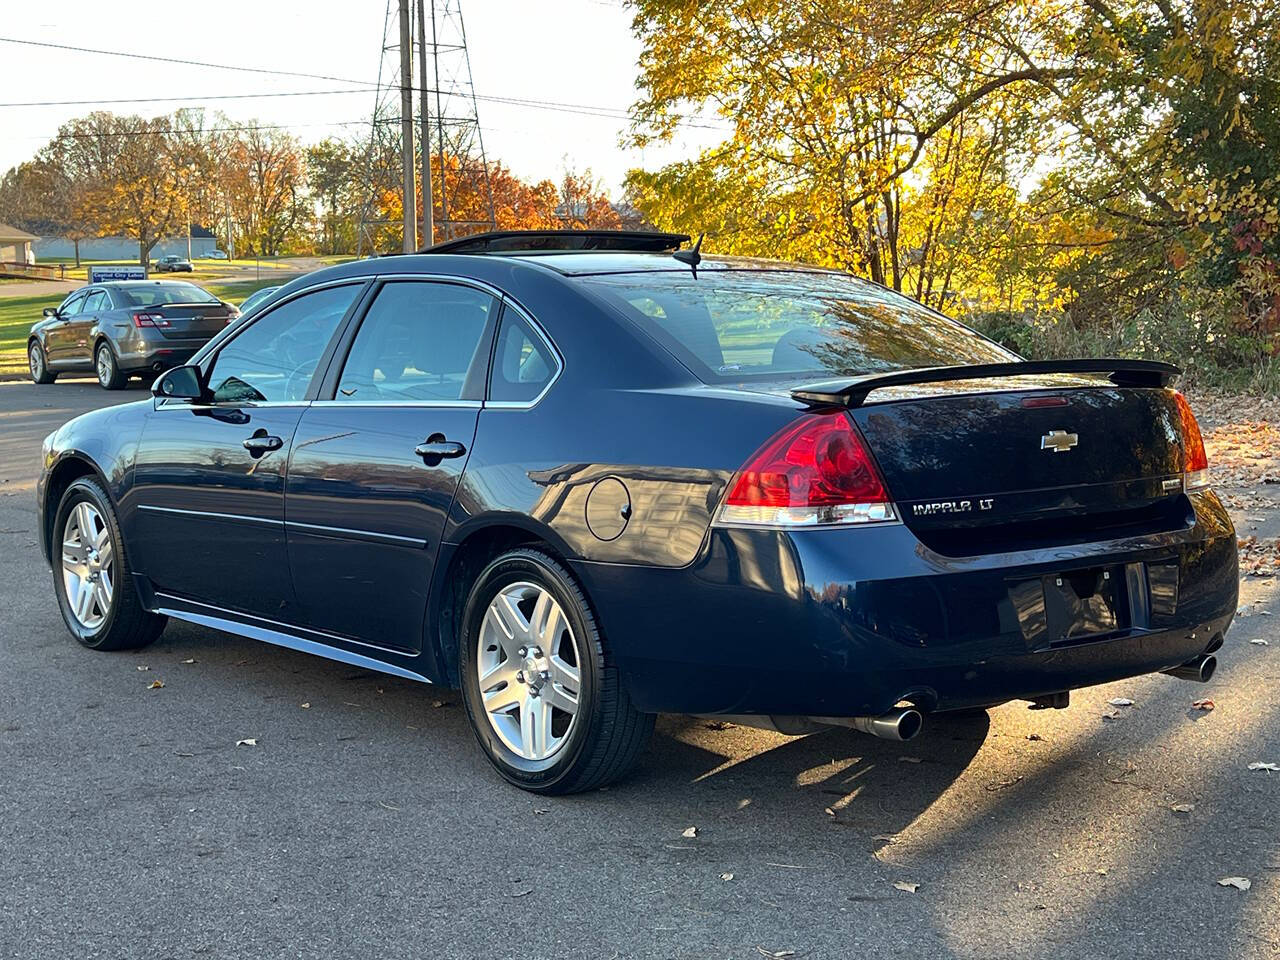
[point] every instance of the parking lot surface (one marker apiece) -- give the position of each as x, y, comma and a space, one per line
365, 822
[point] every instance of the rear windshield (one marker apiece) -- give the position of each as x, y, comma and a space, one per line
161, 293
730, 325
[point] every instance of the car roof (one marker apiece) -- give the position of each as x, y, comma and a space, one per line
137, 283
594, 262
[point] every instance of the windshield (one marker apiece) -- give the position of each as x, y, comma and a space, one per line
730, 325
162, 293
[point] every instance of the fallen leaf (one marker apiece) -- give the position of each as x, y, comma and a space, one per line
307, 705
1270, 767
250, 742
1260, 643
438, 703
192, 660
1202, 704
155, 685
539, 811
689, 832
1001, 784
906, 886
1183, 807
1101, 871
1120, 702
1240, 883
144, 667
1111, 715
886, 838
726, 877
522, 893
775, 954
828, 811
1034, 736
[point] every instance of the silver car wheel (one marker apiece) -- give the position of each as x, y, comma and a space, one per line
528, 670
104, 365
88, 565
37, 361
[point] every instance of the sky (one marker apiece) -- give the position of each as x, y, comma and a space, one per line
577, 53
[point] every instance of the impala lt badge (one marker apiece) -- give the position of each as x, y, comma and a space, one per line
1059, 441
951, 506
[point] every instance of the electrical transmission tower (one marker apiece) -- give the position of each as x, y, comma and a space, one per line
449, 157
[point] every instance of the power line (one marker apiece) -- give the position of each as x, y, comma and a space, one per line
180, 62
219, 96
236, 128
581, 109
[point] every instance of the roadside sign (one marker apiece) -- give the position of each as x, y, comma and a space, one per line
124, 272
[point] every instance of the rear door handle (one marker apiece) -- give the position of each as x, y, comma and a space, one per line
260, 443
436, 448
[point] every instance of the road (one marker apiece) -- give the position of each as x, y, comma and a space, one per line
365, 823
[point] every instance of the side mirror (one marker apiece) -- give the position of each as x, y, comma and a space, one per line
50, 311
180, 383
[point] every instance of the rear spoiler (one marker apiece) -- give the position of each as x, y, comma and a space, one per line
853, 392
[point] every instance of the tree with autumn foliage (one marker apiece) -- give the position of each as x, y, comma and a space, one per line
1105, 166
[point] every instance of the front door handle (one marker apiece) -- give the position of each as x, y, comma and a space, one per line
260, 443
436, 448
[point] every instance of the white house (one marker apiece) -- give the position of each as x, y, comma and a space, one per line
15, 245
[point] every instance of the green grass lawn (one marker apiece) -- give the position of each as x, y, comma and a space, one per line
17, 314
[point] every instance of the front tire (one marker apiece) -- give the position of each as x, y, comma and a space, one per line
92, 577
109, 375
40, 372
544, 700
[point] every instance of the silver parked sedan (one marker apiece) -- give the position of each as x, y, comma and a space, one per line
125, 328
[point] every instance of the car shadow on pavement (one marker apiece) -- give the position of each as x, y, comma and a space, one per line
842, 777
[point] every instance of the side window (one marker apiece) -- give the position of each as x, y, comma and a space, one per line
95, 302
273, 359
72, 305
523, 365
419, 341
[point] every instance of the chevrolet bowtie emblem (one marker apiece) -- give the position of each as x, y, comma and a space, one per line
1059, 441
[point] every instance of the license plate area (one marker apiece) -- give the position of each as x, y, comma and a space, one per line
1074, 606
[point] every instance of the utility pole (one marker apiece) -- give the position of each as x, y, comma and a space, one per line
424, 137
406, 128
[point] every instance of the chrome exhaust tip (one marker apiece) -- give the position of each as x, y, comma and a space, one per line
898, 724
1199, 669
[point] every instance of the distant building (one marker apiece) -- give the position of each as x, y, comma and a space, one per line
15, 244
203, 242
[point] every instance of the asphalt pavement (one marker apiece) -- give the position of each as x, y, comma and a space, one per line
363, 821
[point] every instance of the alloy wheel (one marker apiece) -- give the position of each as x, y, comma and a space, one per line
528, 669
88, 565
37, 362
104, 365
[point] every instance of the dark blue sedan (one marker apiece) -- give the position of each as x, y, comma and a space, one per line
592, 477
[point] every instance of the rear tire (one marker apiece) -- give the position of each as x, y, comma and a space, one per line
40, 372
92, 578
109, 375
581, 739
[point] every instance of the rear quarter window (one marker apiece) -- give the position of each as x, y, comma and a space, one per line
732, 325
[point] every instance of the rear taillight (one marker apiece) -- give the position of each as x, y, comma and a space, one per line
1195, 462
814, 471
149, 320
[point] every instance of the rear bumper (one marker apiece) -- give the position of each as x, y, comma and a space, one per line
143, 354
846, 622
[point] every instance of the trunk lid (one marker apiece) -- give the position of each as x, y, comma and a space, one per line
977, 472
190, 321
